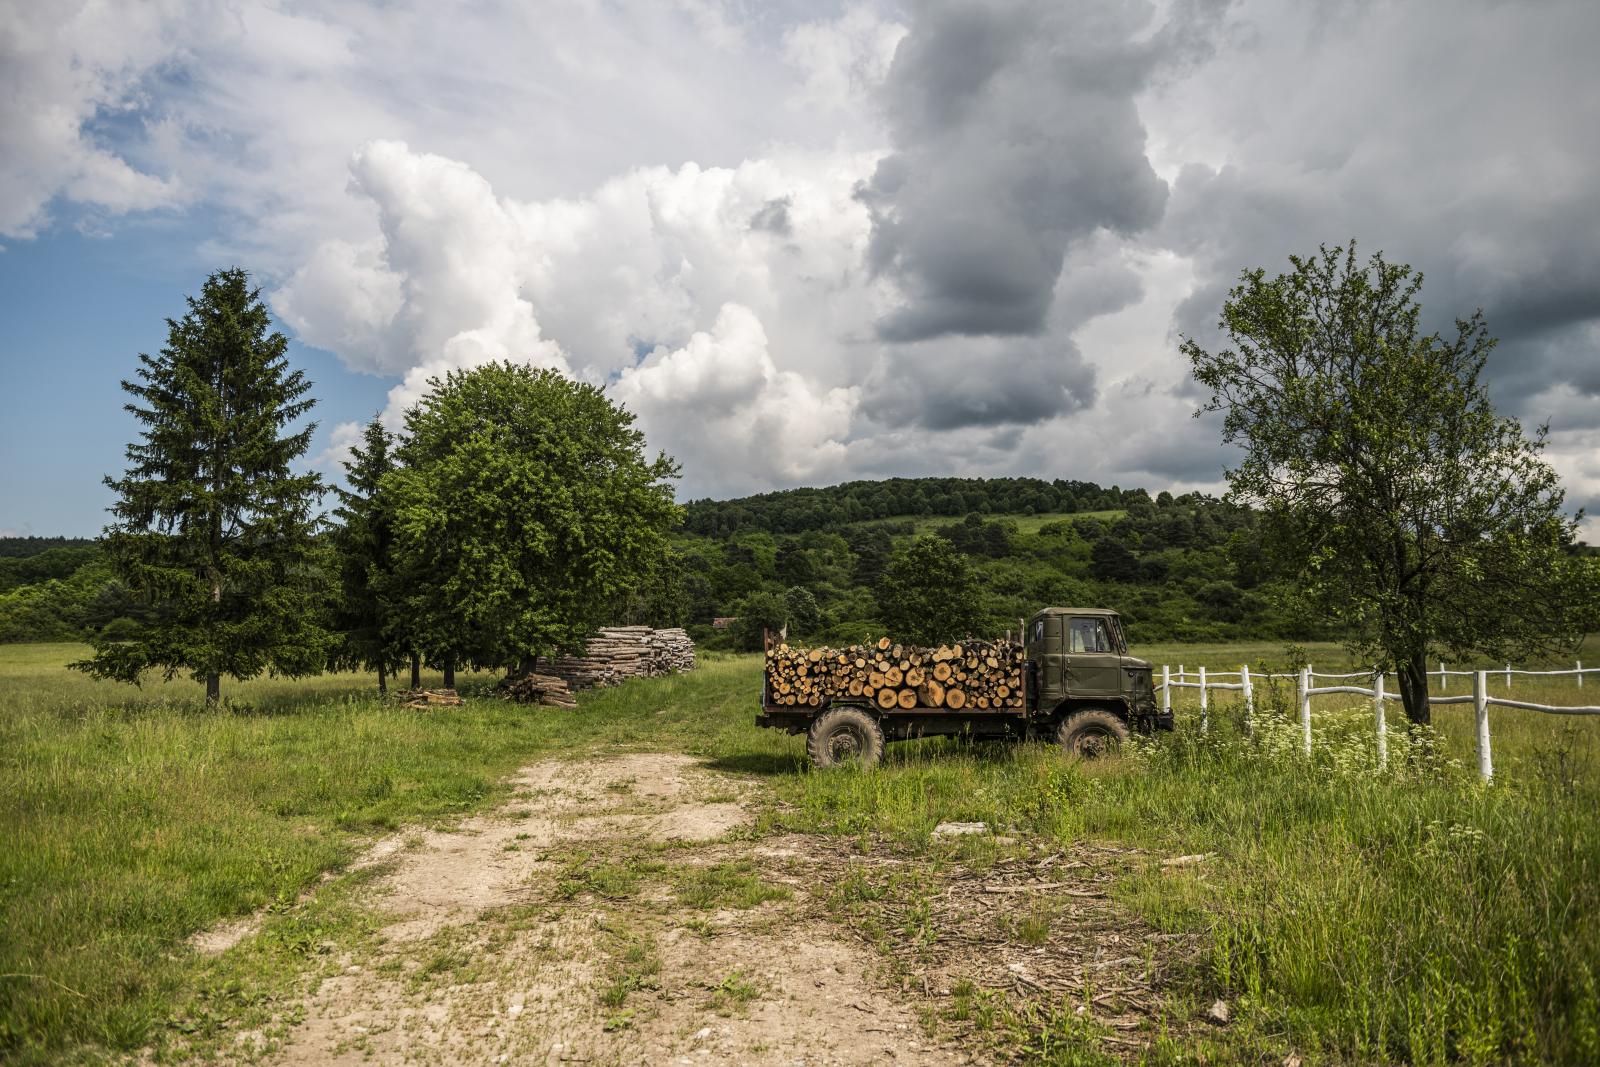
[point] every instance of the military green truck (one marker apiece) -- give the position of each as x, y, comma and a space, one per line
1081, 689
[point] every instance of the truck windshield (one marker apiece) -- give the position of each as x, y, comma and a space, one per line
1118, 636
1090, 635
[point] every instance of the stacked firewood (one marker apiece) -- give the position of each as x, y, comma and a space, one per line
543, 689
971, 674
620, 652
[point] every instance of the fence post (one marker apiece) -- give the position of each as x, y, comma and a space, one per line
1166, 689
1580, 673
1205, 716
1377, 713
1250, 700
1305, 708
1480, 704
1508, 677
1444, 679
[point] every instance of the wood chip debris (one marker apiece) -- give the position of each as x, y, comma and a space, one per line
1188, 861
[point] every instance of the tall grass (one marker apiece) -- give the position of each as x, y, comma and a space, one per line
1411, 915
132, 818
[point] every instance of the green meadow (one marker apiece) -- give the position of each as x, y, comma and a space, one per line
1410, 915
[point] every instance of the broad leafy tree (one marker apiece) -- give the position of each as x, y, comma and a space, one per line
371, 634
524, 507
1412, 515
662, 598
758, 615
213, 528
805, 618
929, 594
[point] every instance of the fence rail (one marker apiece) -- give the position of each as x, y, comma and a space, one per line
1306, 688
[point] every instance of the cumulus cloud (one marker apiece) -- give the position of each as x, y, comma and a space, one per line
67, 68
939, 238
1393, 135
951, 382
657, 281
721, 393
439, 292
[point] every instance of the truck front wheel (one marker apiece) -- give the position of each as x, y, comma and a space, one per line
1092, 733
845, 735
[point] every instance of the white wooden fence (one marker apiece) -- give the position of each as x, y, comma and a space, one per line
1306, 688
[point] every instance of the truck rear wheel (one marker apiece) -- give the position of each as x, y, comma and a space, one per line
1092, 733
845, 735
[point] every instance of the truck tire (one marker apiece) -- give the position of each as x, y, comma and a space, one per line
1091, 733
845, 735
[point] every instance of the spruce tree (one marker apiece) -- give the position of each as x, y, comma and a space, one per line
211, 526
370, 634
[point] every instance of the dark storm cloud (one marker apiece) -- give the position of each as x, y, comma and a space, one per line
954, 382
1542, 306
1016, 134
1485, 184
1181, 450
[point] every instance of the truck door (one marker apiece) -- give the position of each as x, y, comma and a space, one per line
1049, 644
1094, 665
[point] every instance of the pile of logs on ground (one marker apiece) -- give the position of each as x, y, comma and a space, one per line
429, 698
971, 674
620, 652
543, 689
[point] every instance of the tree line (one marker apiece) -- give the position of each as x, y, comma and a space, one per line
503, 522
1184, 568
833, 506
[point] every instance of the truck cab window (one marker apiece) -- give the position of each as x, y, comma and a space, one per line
1090, 635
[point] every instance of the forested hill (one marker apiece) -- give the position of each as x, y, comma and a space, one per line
829, 507
26, 560
18, 547
1178, 568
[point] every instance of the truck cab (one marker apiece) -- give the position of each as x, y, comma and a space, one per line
1078, 658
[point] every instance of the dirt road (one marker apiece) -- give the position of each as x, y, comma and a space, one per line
627, 910
610, 913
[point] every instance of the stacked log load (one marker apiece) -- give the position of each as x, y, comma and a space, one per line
971, 674
620, 652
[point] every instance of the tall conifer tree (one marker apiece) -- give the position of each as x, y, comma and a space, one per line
211, 526
369, 632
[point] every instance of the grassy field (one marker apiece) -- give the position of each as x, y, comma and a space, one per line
1408, 916
132, 818
1025, 523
